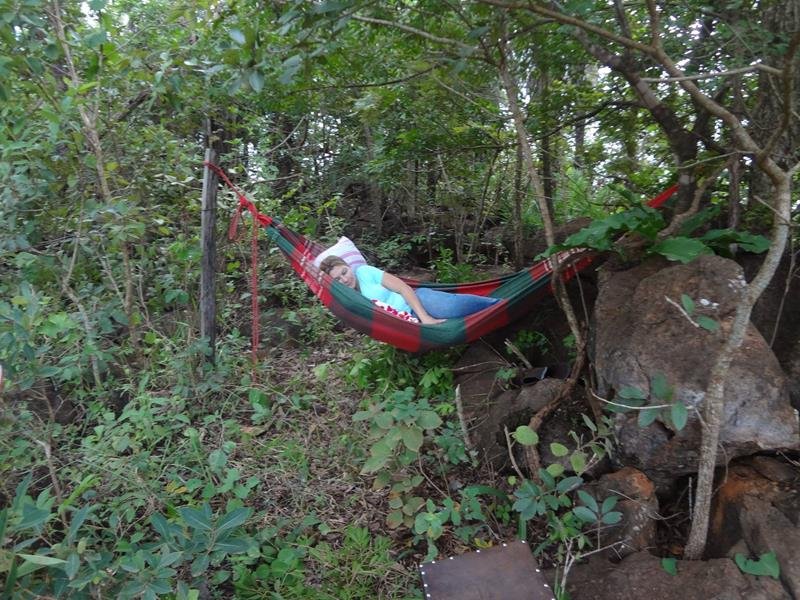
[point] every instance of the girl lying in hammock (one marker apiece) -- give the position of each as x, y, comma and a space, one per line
429, 306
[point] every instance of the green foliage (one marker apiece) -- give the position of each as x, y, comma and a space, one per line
694, 313
672, 412
670, 565
603, 233
525, 436
766, 565
552, 496
400, 418
529, 339
448, 271
600, 514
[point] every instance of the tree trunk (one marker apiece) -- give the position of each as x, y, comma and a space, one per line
519, 193
373, 191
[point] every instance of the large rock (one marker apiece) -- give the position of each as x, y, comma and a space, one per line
775, 314
641, 577
640, 333
638, 504
759, 505
509, 410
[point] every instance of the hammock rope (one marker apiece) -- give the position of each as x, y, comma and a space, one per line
517, 291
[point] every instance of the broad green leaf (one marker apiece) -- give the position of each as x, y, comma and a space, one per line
584, 514
39, 559
746, 240
32, 517
194, 518
611, 518
708, 323
526, 436
679, 415
159, 523
688, 304
670, 565
568, 484
237, 545
374, 463
556, 469
631, 393
558, 449
200, 565
412, 438
578, 461
589, 423
660, 388
647, 416
321, 371
608, 504
588, 500
362, 415
384, 420
217, 460
237, 36
386, 446
256, 80
681, 249
394, 519
427, 419
766, 565
77, 519
72, 565
170, 558
290, 67
413, 504
233, 519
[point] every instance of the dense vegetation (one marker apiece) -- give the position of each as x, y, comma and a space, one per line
131, 467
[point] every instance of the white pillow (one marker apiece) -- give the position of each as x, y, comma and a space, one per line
344, 249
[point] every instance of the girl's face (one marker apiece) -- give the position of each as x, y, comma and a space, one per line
343, 274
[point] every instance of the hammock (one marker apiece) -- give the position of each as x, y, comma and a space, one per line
517, 291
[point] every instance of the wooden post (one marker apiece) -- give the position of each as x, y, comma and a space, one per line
208, 219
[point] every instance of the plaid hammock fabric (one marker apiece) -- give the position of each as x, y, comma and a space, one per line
518, 291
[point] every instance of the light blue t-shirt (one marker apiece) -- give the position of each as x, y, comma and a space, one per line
369, 284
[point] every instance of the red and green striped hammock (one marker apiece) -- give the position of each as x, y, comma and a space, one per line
518, 291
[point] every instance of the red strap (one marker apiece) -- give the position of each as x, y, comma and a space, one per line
254, 339
663, 196
259, 219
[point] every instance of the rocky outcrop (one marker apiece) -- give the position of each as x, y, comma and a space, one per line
642, 331
641, 577
757, 510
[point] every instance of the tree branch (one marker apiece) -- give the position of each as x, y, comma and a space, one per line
729, 72
415, 31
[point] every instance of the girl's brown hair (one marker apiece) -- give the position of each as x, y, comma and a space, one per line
329, 262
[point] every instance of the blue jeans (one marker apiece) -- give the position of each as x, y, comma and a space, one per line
445, 305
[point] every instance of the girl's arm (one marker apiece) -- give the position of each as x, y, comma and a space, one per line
395, 284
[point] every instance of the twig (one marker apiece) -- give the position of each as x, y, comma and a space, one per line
428, 479
415, 31
757, 67
607, 401
53, 477
681, 310
518, 353
531, 452
462, 420
511, 454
